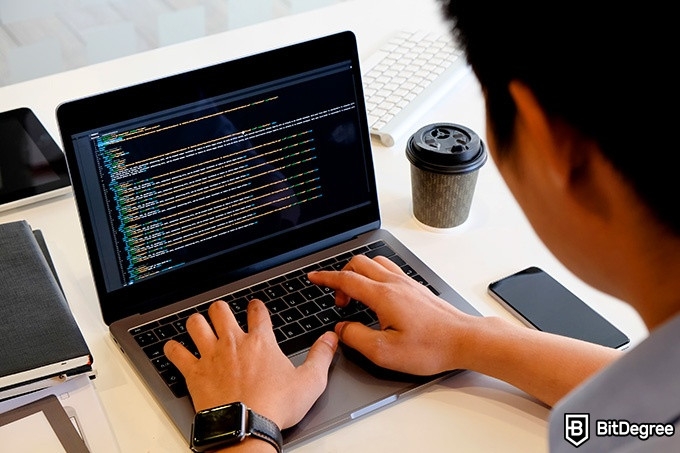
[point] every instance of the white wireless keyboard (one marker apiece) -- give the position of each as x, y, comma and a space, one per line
406, 77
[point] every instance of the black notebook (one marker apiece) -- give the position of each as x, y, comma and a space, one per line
40, 337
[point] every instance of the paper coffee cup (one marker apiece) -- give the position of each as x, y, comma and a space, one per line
445, 159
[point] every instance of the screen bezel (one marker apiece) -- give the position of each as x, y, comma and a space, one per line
49, 149
85, 114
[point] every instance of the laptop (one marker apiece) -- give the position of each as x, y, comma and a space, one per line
233, 181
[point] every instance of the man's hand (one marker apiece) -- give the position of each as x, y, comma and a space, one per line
419, 332
250, 367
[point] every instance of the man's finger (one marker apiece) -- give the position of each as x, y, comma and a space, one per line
258, 318
349, 285
369, 342
222, 319
321, 353
314, 371
389, 264
374, 269
200, 332
180, 356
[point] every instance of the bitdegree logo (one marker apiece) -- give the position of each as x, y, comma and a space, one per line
643, 431
577, 429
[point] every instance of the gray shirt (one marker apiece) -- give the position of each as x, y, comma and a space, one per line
639, 389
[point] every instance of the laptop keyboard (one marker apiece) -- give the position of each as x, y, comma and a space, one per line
300, 312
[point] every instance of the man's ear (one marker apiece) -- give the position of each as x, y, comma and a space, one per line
568, 157
549, 137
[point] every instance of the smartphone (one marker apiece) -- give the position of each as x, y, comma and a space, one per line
541, 302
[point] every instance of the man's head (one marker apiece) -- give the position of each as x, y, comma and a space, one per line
605, 73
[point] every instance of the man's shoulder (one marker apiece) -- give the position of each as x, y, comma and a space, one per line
630, 406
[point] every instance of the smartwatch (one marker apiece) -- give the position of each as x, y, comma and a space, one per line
230, 424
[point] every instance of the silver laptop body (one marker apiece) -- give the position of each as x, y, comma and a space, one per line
205, 184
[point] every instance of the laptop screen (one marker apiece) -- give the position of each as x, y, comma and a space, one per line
234, 168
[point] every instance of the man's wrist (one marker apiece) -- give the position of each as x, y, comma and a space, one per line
230, 425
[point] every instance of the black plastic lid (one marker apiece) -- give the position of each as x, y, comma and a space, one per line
446, 148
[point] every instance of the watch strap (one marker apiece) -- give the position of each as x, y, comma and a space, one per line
265, 429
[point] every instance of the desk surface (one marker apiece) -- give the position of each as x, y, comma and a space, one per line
468, 411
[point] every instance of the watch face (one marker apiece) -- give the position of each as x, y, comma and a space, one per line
219, 426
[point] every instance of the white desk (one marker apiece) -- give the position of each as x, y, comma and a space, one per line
469, 412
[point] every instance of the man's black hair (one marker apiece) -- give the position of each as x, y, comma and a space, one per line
607, 70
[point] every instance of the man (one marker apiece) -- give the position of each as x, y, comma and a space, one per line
572, 122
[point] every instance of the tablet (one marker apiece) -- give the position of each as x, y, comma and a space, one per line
32, 166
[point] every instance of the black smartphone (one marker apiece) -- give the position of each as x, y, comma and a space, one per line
541, 302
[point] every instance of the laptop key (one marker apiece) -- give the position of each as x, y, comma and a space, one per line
303, 341
361, 250
169, 319
275, 291
312, 292
293, 299
384, 251
345, 256
179, 389
144, 328
408, 270
327, 263
180, 325
329, 316
340, 265
308, 308
292, 285
165, 332
293, 274
290, 315
154, 351
242, 293
348, 309
310, 323
420, 279
325, 301
175, 381
276, 305
305, 280
146, 338
292, 330
311, 267
278, 280
257, 295
259, 286
398, 260
162, 363
277, 321
239, 304
171, 376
